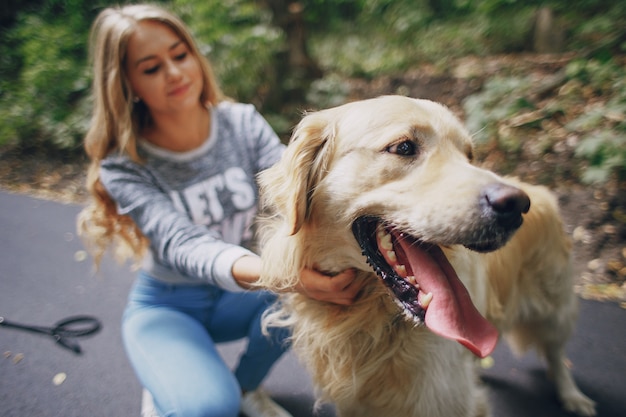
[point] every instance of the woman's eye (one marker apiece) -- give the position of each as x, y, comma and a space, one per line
151, 70
405, 148
180, 57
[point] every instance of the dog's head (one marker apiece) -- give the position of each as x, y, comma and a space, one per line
395, 173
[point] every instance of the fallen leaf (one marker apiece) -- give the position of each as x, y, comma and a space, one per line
80, 256
604, 292
59, 378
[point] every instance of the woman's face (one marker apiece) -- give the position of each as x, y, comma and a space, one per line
161, 70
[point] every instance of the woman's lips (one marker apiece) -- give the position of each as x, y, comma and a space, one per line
178, 91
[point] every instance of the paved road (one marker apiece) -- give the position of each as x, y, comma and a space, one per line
44, 278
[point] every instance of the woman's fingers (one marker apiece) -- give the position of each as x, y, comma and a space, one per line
342, 288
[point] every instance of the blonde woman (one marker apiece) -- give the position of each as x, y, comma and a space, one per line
172, 177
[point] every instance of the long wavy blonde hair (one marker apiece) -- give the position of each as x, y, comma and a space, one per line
117, 121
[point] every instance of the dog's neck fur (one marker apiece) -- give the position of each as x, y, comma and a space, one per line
367, 342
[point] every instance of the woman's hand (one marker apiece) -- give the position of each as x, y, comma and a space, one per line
341, 289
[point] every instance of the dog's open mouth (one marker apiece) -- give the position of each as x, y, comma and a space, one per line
424, 284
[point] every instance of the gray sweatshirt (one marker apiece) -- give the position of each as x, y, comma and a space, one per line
197, 207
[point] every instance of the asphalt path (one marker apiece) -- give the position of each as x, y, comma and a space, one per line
45, 277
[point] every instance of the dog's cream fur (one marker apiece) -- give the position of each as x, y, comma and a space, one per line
368, 359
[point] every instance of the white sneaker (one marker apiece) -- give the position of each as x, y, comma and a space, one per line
259, 404
147, 405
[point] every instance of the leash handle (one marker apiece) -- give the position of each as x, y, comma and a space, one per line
63, 331
77, 326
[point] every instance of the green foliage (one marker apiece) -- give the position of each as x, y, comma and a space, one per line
391, 39
329, 91
351, 55
44, 82
510, 30
593, 99
239, 40
330, 14
579, 7
602, 127
605, 151
602, 77
500, 99
243, 46
383, 36
44, 78
492, 7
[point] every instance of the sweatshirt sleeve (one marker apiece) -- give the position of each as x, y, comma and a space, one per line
188, 249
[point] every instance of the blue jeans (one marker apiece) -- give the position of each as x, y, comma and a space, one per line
170, 332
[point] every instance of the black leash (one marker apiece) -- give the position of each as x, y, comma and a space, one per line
64, 331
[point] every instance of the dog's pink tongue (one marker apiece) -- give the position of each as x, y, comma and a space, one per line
451, 313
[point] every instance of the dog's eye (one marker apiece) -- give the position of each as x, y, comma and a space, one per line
405, 148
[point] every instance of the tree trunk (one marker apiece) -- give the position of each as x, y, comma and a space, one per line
295, 69
549, 35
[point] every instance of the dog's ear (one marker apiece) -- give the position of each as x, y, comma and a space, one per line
303, 165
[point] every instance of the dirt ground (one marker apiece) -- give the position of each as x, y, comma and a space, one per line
595, 217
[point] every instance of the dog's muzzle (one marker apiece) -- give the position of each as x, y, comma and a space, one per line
424, 284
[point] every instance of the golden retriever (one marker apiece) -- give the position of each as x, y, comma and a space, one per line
386, 186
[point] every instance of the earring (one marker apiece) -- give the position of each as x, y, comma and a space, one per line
136, 99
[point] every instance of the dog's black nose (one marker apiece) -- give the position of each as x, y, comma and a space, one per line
508, 203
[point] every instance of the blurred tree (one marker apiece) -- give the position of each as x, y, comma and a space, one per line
43, 86
444, 8
269, 52
9, 10
295, 69
239, 39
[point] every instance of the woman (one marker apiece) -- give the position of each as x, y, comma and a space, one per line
172, 176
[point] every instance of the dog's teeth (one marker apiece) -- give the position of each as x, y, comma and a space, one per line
391, 255
385, 242
426, 299
401, 270
412, 281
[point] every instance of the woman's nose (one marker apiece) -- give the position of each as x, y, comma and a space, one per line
172, 70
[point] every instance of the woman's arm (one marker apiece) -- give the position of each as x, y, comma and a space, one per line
189, 249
